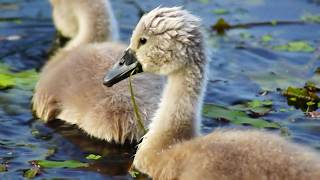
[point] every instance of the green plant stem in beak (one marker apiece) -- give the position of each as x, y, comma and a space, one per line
135, 106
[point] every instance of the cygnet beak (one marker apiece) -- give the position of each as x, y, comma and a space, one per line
128, 65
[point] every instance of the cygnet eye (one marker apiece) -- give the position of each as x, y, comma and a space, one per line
142, 41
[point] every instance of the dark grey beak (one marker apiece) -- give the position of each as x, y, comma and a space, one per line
122, 69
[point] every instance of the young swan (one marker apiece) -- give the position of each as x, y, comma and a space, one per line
85, 21
168, 41
70, 87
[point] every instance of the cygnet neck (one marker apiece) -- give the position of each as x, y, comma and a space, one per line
95, 23
178, 116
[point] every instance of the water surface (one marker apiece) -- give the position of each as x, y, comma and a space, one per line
241, 67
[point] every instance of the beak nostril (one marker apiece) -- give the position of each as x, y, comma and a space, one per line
121, 63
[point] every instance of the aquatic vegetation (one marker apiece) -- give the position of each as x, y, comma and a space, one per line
93, 157
236, 84
266, 38
60, 164
220, 11
236, 116
312, 18
295, 46
135, 106
22, 80
3, 168
255, 107
204, 1
305, 98
31, 173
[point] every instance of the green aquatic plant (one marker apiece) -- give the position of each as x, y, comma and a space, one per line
220, 11
311, 18
135, 106
60, 164
31, 173
3, 168
24, 80
305, 98
295, 46
295, 93
204, 1
236, 116
255, 107
266, 38
93, 157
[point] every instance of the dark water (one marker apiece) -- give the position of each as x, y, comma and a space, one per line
242, 66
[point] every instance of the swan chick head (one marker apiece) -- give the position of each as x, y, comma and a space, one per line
164, 39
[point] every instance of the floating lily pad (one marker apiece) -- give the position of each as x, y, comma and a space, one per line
6, 81
31, 173
305, 98
220, 11
274, 22
313, 18
257, 103
204, 1
266, 38
236, 116
301, 93
295, 46
61, 164
25, 80
3, 168
255, 107
93, 157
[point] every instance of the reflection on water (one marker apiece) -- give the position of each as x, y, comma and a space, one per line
242, 66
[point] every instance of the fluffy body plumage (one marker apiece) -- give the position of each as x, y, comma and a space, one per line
70, 87
171, 148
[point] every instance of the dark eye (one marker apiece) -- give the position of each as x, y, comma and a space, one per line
142, 41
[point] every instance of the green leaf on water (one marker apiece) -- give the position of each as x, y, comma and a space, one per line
93, 157
61, 164
305, 98
257, 103
266, 38
31, 173
6, 81
311, 18
220, 11
295, 46
255, 107
204, 1
301, 93
25, 80
283, 110
236, 116
3, 168
274, 22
